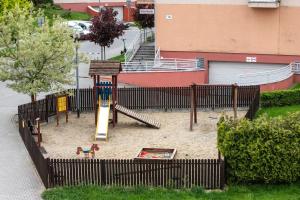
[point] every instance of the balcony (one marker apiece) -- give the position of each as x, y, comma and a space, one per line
264, 3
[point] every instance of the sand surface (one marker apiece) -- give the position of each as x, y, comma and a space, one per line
129, 136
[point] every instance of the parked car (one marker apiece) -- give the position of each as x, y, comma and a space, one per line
78, 32
84, 25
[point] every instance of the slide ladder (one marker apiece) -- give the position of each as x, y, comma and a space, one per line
139, 117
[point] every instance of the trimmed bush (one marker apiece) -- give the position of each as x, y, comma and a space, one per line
264, 150
280, 98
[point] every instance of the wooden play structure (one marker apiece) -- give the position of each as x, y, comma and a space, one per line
139, 117
105, 98
88, 152
194, 102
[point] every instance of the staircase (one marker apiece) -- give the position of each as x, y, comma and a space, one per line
145, 53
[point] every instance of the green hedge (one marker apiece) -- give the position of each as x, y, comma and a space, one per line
280, 98
263, 150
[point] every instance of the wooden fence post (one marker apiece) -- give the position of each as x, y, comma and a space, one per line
195, 103
39, 136
103, 172
235, 96
222, 164
47, 109
192, 107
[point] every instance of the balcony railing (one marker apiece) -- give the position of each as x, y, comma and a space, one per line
264, 3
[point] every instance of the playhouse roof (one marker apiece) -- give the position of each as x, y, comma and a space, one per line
106, 68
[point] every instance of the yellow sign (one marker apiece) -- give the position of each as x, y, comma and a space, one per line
62, 104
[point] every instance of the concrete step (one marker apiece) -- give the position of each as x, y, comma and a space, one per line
147, 48
145, 51
143, 58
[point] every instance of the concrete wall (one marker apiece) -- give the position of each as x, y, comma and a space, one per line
162, 79
228, 27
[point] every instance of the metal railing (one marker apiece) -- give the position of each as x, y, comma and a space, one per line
296, 67
162, 65
157, 54
271, 76
136, 44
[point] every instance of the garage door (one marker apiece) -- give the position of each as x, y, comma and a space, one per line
120, 13
228, 72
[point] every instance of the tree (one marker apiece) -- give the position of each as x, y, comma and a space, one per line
144, 21
34, 59
6, 5
105, 29
38, 2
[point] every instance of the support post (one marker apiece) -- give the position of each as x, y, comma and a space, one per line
38, 131
77, 85
94, 97
116, 96
195, 103
192, 108
235, 95
114, 99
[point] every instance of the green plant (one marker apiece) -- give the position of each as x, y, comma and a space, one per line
280, 98
35, 59
263, 150
233, 192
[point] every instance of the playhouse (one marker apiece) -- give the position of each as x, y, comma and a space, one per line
105, 98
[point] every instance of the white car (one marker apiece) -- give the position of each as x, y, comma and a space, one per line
85, 25
77, 30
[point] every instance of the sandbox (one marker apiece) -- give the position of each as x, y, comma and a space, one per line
129, 137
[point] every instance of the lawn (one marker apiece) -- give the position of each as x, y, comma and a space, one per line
279, 111
259, 192
297, 86
51, 10
120, 58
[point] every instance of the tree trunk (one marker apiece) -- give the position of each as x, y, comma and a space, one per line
104, 54
33, 98
33, 101
101, 52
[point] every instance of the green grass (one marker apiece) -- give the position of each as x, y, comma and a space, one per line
120, 58
254, 192
297, 86
278, 111
51, 11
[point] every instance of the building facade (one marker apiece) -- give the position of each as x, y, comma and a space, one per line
233, 36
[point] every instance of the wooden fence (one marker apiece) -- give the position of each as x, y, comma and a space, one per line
37, 157
176, 173
207, 173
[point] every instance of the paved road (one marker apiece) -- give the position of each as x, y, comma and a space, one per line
18, 177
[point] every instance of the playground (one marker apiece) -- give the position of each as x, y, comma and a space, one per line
113, 131
128, 137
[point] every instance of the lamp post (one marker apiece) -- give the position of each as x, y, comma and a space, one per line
77, 77
124, 50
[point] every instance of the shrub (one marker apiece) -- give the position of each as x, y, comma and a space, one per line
263, 150
280, 98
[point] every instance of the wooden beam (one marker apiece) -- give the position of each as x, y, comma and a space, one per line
94, 98
195, 103
192, 108
114, 100
235, 96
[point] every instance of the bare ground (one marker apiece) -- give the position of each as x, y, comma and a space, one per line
129, 136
